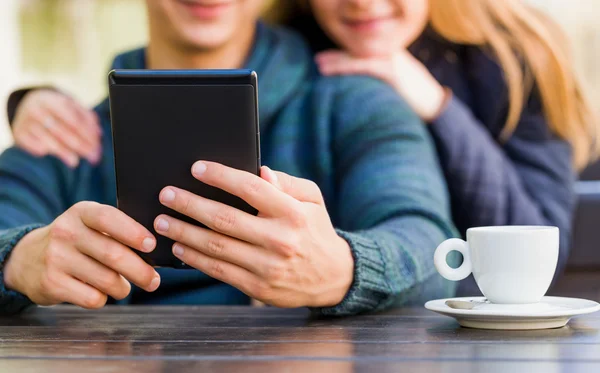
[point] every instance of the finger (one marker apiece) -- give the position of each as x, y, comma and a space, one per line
269, 175
81, 135
257, 192
348, 67
89, 118
214, 244
119, 258
215, 215
115, 223
100, 277
301, 189
218, 269
30, 143
76, 292
331, 55
67, 137
58, 149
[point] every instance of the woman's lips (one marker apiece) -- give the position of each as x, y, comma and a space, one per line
367, 25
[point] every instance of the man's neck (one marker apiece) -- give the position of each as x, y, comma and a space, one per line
163, 54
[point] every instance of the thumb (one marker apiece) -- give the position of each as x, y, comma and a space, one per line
301, 189
269, 175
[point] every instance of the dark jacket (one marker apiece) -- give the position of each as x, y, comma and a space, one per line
527, 180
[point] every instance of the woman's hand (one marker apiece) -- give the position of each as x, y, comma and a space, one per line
287, 256
401, 70
50, 123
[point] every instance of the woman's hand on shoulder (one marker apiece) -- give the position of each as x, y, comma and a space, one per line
409, 77
48, 122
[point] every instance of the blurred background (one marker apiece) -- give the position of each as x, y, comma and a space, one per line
70, 43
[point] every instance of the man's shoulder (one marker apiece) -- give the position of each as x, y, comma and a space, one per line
363, 96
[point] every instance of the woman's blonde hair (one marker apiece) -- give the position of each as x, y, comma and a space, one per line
520, 36
530, 49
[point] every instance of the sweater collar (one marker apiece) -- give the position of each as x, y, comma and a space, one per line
281, 59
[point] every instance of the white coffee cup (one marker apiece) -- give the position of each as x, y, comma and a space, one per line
511, 264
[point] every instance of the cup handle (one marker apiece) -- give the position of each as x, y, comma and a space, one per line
442, 251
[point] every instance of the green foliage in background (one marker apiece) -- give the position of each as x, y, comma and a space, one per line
47, 36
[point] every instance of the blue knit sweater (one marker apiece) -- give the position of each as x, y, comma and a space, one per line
353, 136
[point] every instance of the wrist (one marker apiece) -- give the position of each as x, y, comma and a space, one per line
13, 266
439, 105
342, 278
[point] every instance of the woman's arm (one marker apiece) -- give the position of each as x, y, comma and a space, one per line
526, 181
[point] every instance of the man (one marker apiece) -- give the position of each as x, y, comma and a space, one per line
376, 180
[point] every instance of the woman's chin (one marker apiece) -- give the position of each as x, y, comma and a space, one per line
368, 50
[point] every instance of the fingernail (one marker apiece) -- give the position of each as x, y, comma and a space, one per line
168, 195
148, 244
162, 225
178, 250
155, 283
198, 169
73, 162
96, 155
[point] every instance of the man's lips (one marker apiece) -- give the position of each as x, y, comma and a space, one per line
206, 9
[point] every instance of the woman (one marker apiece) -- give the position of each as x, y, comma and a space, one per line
509, 119
495, 86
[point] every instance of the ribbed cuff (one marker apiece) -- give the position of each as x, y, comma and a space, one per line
369, 288
12, 302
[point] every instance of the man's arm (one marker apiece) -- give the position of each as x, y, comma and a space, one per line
392, 205
33, 193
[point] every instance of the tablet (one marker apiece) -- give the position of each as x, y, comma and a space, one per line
163, 121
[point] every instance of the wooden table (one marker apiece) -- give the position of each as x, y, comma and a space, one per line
230, 339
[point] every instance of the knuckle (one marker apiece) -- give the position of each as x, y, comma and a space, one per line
215, 247
83, 205
315, 190
252, 186
110, 281
217, 269
146, 276
61, 230
275, 273
187, 207
298, 219
123, 291
288, 246
224, 220
288, 249
102, 217
94, 300
262, 291
113, 255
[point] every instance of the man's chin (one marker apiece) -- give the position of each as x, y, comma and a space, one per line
206, 40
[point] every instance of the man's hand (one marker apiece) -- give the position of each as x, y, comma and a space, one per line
287, 256
81, 258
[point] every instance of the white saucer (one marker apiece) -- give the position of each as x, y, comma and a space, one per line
551, 312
